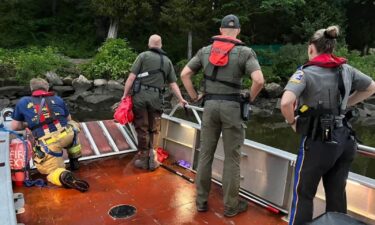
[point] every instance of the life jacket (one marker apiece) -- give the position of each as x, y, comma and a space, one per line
155, 71
43, 100
326, 60
221, 47
219, 57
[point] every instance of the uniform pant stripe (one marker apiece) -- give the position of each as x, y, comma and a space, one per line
299, 164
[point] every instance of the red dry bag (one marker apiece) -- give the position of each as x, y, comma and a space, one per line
124, 113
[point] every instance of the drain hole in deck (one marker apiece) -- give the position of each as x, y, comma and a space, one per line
122, 211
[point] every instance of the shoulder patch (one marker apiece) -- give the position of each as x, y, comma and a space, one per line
30, 105
297, 76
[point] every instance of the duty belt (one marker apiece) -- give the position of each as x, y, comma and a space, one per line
146, 87
227, 97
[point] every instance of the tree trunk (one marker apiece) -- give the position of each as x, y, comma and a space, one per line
113, 28
365, 50
54, 7
190, 45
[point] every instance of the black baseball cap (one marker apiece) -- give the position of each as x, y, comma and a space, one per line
230, 21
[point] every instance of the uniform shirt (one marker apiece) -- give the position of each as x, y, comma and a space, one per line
26, 112
313, 84
242, 61
147, 61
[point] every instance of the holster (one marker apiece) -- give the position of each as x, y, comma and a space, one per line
304, 125
245, 106
136, 88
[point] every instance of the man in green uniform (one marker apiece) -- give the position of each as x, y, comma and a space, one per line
224, 63
150, 71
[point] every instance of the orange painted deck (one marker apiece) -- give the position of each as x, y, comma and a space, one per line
161, 198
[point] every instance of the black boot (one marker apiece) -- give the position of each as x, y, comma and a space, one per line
68, 180
74, 164
141, 160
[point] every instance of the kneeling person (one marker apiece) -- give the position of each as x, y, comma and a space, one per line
49, 120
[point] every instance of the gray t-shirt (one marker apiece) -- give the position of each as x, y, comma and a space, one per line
315, 84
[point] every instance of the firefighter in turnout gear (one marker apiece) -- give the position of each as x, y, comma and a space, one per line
46, 115
225, 62
320, 91
146, 81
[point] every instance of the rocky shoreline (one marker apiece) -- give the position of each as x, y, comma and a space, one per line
100, 95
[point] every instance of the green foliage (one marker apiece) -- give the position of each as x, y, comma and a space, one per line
31, 62
68, 25
276, 4
269, 75
317, 14
287, 60
119, 8
113, 60
197, 79
365, 64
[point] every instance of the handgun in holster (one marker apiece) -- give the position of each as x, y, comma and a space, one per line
245, 106
136, 88
304, 120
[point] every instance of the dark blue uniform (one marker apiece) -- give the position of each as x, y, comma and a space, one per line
26, 111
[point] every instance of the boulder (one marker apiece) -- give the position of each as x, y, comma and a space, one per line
364, 112
76, 96
115, 85
63, 91
68, 81
100, 82
4, 102
100, 90
369, 106
121, 80
53, 78
14, 91
81, 84
14, 102
370, 100
96, 99
273, 90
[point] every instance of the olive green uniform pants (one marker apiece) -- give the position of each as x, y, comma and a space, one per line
147, 113
220, 116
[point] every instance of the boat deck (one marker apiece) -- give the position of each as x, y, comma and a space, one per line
161, 198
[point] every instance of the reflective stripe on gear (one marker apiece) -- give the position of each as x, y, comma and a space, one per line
54, 176
75, 151
54, 137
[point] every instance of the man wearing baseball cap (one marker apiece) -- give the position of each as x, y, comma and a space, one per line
225, 62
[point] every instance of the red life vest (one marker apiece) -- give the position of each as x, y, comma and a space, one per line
222, 45
327, 61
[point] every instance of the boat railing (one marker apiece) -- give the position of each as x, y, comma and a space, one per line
266, 172
362, 149
7, 208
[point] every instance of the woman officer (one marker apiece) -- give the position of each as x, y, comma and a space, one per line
323, 88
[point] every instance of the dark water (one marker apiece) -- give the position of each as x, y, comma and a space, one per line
273, 131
